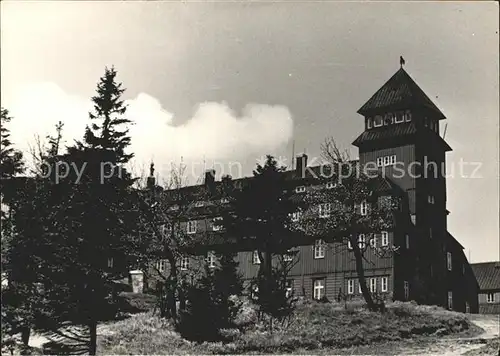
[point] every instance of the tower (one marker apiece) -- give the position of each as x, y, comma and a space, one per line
401, 141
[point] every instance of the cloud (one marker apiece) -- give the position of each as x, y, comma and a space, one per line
215, 132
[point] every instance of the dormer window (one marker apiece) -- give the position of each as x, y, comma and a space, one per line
331, 185
377, 122
399, 117
300, 189
369, 123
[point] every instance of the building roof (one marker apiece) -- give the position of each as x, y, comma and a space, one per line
399, 92
487, 275
386, 132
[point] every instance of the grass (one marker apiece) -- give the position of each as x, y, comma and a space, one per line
314, 327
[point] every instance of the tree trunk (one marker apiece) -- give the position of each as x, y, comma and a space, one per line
361, 276
25, 338
93, 337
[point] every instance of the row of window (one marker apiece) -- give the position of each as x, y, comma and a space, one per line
302, 188
388, 119
385, 161
381, 283
384, 240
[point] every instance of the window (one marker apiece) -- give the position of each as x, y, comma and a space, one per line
199, 203
450, 299
254, 291
430, 199
373, 285
319, 249
255, 258
349, 245
289, 288
490, 298
373, 241
449, 261
361, 241
324, 210
384, 284
386, 161
430, 232
359, 289
224, 200
408, 116
319, 289
389, 118
467, 307
110, 262
407, 239
166, 229
377, 122
288, 257
350, 286
363, 208
369, 123
300, 189
174, 207
331, 185
413, 218
184, 263
385, 238
160, 265
463, 269
406, 288
211, 258
431, 271
296, 216
191, 227
217, 224
399, 117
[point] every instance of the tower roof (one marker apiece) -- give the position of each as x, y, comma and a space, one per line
399, 92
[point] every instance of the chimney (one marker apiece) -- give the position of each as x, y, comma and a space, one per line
301, 164
151, 179
210, 177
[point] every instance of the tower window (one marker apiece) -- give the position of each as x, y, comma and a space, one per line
450, 300
408, 116
449, 261
399, 117
406, 288
389, 119
378, 121
407, 238
430, 199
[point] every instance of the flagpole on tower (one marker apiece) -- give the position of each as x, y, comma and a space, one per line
401, 61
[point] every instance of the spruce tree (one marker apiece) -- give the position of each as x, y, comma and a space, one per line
96, 220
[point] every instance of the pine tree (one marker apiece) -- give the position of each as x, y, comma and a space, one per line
213, 302
261, 218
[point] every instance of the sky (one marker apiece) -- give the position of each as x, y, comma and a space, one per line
221, 84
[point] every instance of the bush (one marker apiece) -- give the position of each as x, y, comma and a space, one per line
132, 303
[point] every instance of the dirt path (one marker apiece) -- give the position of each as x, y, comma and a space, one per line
459, 346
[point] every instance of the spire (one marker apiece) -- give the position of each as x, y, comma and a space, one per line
151, 181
